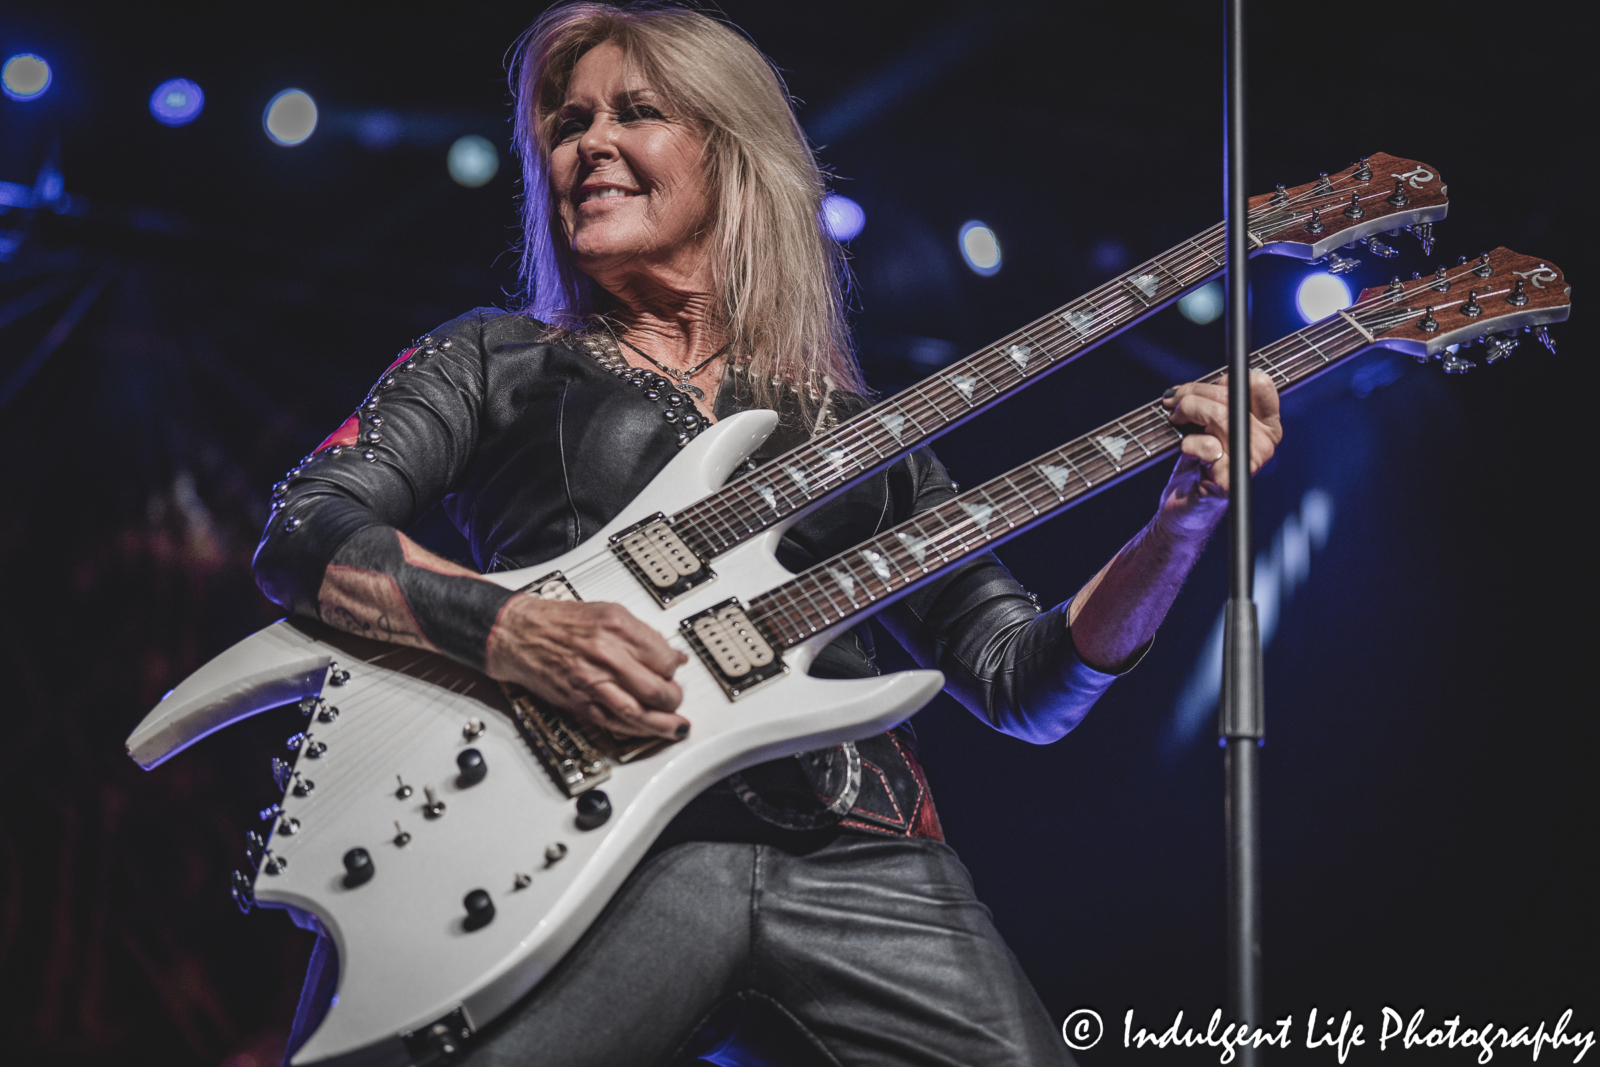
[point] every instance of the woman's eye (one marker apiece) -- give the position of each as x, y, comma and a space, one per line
570, 129
637, 112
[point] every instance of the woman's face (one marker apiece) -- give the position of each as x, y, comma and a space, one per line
628, 173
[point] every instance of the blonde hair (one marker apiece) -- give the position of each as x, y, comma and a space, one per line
781, 278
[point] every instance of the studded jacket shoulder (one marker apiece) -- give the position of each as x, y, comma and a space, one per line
532, 447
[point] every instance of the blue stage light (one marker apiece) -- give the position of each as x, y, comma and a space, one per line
1203, 305
177, 102
842, 217
1320, 295
980, 248
291, 117
25, 77
473, 161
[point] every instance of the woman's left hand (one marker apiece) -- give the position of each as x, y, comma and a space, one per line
1196, 496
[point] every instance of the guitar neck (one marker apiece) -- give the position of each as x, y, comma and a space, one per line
876, 437
881, 570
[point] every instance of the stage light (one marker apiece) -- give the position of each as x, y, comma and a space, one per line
472, 161
980, 248
25, 77
842, 217
1203, 305
291, 117
177, 102
1320, 295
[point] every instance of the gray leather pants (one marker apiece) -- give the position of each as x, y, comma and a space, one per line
867, 951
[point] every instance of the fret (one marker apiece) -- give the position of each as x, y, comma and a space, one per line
1113, 446
1081, 320
1218, 261
1143, 285
1132, 436
1058, 473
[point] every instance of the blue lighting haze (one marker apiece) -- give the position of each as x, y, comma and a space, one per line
980, 248
842, 217
177, 102
1320, 295
25, 77
1203, 305
472, 161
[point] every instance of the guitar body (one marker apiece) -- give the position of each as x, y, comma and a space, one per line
408, 957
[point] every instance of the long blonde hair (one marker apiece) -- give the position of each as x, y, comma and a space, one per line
781, 277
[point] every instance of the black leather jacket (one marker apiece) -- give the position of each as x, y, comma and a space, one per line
533, 447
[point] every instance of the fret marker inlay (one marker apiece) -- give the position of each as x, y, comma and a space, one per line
846, 582
840, 458
766, 493
1081, 321
798, 474
982, 514
1145, 283
1114, 445
917, 546
1056, 475
1019, 355
894, 423
964, 383
875, 560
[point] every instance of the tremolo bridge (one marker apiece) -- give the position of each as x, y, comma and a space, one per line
658, 557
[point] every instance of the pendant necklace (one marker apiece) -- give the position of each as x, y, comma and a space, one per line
682, 384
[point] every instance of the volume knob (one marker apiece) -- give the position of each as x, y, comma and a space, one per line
358, 868
473, 769
594, 808
480, 909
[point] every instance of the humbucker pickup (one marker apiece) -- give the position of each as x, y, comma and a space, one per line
657, 556
553, 586
739, 656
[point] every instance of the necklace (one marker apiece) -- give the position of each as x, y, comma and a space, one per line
683, 376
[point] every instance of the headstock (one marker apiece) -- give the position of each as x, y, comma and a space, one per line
1377, 194
1501, 292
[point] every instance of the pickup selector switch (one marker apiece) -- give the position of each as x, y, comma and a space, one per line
473, 729
480, 909
358, 868
473, 769
594, 808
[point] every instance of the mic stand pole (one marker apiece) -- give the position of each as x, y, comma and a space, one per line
1240, 724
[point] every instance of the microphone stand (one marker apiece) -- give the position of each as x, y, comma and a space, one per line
1240, 719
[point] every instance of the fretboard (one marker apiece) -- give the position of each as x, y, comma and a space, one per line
879, 571
878, 436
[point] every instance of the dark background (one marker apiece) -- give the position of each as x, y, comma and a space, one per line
212, 305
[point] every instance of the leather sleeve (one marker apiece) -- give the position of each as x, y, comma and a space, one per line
396, 457
1009, 663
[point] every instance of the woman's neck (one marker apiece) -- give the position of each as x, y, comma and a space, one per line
678, 330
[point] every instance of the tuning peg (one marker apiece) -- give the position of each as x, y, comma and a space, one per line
1281, 196
1399, 198
1518, 295
244, 893
1542, 335
1338, 264
1315, 225
254, 847
308, 705
1428, 324
1472, 309
1363, 172
270, 812
1499, 347
1454, 364
1395, 290
1441, 280
1323, 181
302, 785
1483, 269
281, 772
1354, 210
1423, 232
1379, 249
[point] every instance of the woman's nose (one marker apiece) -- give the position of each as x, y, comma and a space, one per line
595, 144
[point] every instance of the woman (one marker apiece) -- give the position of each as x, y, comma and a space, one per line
676, 273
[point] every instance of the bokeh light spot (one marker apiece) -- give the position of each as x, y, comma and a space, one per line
842, 217
25, 77
473, 161
177, 102
1320, 295
291, 117
1203, 305
980, 248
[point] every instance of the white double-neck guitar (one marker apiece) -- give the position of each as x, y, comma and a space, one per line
454, 839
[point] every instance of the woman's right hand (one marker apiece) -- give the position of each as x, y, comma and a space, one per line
597, 662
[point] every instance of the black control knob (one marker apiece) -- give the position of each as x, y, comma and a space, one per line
594, 808
358, 868
473, 769
480, 909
